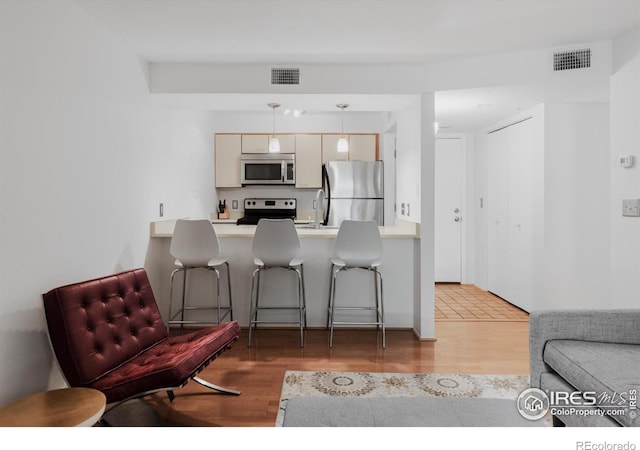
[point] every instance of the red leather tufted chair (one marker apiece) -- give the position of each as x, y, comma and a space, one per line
108, 334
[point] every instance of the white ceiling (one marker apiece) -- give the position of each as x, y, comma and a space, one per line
367, 31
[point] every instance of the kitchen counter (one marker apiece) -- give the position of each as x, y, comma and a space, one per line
227, 228
400, 251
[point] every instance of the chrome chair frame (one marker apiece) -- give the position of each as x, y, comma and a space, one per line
255, 307
228, 309
378, 308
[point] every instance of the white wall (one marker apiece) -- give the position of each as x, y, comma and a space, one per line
576, 206
408, 154
85, 159
625, 183
191, 165
570, 204
494, 70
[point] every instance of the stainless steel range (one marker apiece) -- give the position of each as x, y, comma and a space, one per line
267, 208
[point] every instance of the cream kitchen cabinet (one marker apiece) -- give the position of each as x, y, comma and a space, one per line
287, 143
255, 143
259, 143
362, 147
228, 148
308, 160
329, 148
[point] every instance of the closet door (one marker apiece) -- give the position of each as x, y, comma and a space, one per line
521, 214
510, 214
498, 209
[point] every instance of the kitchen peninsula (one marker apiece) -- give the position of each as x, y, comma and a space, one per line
399, 270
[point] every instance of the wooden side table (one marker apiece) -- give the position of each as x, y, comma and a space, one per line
72, 407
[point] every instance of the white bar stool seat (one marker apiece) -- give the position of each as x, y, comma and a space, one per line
276, 245
358, 246
195, 245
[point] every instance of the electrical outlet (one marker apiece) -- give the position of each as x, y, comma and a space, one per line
631, 208
234, 204
402, 209
161, 209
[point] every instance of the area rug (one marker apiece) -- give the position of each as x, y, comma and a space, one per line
381, 385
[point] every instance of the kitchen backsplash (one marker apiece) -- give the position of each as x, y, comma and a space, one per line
304, 197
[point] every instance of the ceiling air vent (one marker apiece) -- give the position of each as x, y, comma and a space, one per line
285, 76
575, 59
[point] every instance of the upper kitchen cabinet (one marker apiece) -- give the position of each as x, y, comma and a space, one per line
362, 147
259, 143
255, 143
228, 148
287, 143
329, 148
308, 160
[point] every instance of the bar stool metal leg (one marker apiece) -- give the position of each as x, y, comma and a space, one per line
229, 288
184, 293
171, 282
304, 295
253, 315
332, 302
217, 272
380, 311
329, 299
301, 312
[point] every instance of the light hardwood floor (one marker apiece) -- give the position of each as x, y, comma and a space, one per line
497, 347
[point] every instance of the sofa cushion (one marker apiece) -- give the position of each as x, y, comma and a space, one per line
603, 368
169, 363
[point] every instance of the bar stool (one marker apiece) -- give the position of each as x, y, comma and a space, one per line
195, 246
358, 246
276, 246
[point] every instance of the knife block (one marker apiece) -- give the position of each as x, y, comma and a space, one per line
225, 214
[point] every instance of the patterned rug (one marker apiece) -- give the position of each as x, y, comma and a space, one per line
377, 384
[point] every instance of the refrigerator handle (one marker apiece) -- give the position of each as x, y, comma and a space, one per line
327, 190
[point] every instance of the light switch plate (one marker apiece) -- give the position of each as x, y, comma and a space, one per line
631, 208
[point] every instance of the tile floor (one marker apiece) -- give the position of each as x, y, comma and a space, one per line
468, 302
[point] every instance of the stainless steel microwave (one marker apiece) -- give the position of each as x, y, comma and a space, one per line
268, 168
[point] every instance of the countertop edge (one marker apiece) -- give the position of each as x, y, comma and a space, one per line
401, 230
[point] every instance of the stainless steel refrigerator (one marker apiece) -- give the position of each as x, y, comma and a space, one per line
354, 191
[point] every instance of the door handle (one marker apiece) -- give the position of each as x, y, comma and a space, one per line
456, 211
457, 219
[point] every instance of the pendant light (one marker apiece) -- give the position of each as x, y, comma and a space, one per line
274, 143
343, 144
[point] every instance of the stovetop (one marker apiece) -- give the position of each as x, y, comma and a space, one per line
267, 208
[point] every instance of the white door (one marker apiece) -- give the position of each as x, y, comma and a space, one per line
498, 210
521, 214
448, 210
510, 214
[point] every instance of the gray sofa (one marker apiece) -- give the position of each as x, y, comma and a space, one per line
594, 352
